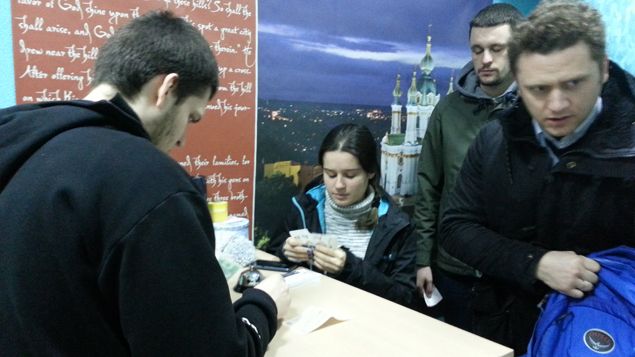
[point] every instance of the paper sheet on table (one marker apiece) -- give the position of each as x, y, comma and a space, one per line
313, 318
300, 277
434, 299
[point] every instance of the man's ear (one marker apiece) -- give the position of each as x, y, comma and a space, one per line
167, 88
605, 70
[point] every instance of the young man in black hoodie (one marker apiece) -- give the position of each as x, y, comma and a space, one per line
106, 246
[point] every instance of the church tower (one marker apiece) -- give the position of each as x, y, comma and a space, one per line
414, 97
395, 122
400, 151
451, 85
428, 89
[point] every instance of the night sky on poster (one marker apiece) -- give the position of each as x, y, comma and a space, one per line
350, 51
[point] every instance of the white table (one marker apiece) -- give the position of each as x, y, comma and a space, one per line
377, 327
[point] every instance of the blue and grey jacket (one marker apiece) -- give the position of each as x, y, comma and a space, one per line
388, 269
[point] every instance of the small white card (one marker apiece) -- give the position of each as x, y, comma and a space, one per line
434, 299
299, 233
313, 318
330, 240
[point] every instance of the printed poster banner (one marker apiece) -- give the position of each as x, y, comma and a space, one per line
55, 45
331, 62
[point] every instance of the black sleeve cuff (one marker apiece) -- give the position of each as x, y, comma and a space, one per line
259, 308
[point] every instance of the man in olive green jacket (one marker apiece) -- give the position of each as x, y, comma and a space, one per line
484, 87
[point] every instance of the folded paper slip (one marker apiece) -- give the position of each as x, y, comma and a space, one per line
313, 318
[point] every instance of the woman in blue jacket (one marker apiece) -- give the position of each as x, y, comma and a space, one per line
377, 247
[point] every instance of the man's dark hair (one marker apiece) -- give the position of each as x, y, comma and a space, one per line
557, 25
154, 44
495, 15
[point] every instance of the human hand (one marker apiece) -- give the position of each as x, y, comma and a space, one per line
295, 251
568, 273
277, 289
329, 260
424, 281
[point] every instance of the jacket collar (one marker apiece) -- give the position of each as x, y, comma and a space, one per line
611, 135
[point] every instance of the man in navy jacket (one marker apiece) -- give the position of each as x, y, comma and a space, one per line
551, 181
106, 246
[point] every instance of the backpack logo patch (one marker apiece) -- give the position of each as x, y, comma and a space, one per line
599, 341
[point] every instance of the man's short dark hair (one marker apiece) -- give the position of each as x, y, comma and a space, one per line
557, 25
495, 15
154, 44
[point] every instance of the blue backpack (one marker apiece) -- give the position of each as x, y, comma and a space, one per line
600, 324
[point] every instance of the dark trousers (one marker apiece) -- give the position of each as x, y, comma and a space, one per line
458, 294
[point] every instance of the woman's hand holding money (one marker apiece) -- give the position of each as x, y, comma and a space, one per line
330, 260
295, 251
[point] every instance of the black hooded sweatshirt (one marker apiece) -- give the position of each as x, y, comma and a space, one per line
106, 246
